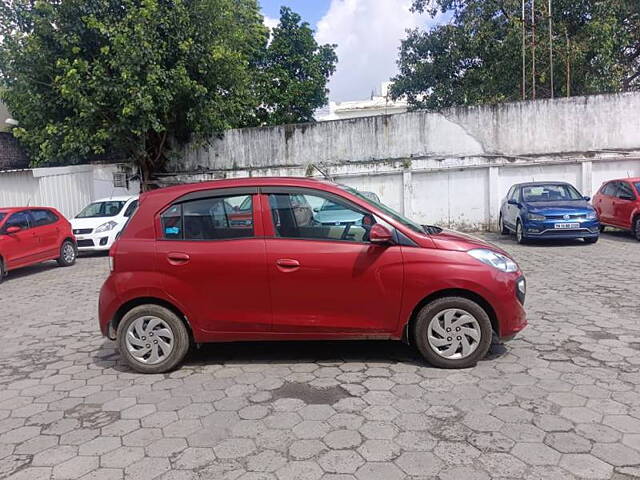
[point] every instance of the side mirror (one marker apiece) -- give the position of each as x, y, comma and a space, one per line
14, 229
587, 198
513, 202
380, 235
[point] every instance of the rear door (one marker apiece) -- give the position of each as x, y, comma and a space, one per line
604, 205
20, 248
624, 204
214, 265
47, 233
326, 278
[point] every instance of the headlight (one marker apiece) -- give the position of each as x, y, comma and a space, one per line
494, 259
105, 227
592, 215
535, 216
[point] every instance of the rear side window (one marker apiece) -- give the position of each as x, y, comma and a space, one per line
131, 208
609, 189
625, 190
218, 218
43, 217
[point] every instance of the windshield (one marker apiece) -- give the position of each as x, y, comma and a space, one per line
2, 215
392, 213
550, 193
109, 208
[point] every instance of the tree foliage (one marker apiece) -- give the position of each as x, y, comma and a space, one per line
137, 77
477, 57
294, 73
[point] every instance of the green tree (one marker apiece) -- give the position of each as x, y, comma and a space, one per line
295, 71
477, 57
92, 77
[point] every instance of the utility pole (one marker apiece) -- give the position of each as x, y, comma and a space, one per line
551, 46
524, 53
566, 33
533, 49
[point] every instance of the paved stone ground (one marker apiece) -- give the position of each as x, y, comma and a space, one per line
561, 401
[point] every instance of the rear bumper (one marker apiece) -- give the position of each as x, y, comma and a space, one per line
108, 305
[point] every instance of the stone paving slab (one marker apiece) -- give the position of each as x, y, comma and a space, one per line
561, 401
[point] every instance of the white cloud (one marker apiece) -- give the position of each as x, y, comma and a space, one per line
368, 35
271, 22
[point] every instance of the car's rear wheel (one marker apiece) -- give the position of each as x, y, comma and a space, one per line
636, 228
68, 254
520, 238
453, 332
503, 229
3, 273
591, 240
152, 339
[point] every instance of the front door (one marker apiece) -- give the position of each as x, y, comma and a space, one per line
215, 265
325, 275
20, 248
624, 205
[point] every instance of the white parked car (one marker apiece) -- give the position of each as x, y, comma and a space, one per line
98, 224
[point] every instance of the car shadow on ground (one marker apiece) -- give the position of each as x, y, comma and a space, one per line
31, 270
292, 352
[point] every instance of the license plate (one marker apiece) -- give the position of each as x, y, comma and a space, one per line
567, 225
80, 237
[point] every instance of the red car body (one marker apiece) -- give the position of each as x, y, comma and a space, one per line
264, 287
618, 204
31, 235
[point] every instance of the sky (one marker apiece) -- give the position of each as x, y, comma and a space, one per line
368, 35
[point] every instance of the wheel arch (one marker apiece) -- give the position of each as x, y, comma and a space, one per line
450, 292
136, 302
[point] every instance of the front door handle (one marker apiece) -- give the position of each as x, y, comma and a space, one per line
287, 263
176, 258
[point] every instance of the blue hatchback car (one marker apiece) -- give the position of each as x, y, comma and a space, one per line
548, 210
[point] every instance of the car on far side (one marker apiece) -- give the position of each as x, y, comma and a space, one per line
30, 235
618, 205
548, 210
97, 226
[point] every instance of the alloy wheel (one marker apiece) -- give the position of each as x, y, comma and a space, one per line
149, 340
454, 333
68, 253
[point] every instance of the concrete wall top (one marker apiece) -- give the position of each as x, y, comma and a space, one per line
577, 124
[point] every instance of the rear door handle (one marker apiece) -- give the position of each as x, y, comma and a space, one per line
287, 263
176, 258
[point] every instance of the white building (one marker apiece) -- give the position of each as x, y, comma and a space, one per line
378, 105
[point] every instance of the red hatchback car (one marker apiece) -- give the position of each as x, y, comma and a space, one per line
618, 204
32, 235
184, 270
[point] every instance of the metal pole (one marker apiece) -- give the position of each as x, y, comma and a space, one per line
551, 47
533, 49
524, 53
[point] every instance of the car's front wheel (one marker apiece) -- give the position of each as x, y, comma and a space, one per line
2, 270
591, 239
152, 339
520, 238
453, 332
68, 254
636, 228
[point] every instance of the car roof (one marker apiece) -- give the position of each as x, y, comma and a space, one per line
177, 190
18, 209
533, 184
631, 179
120, 198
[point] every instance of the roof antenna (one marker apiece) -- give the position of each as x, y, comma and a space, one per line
322, 172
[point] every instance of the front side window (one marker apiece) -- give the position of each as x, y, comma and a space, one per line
637, 185
43, 217
550, 193
110, 208
19, 219
311, 216
217, 218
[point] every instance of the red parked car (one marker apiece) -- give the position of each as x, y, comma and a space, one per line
32, 235
618, 204
184, 271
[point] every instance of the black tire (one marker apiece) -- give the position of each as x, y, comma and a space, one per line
171, 321
520, 238
68, 254
503, 229
636, 228
602, 227
2, 271
430, 313
591, 239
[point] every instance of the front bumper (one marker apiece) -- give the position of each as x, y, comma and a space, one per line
546, 229
96, 242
